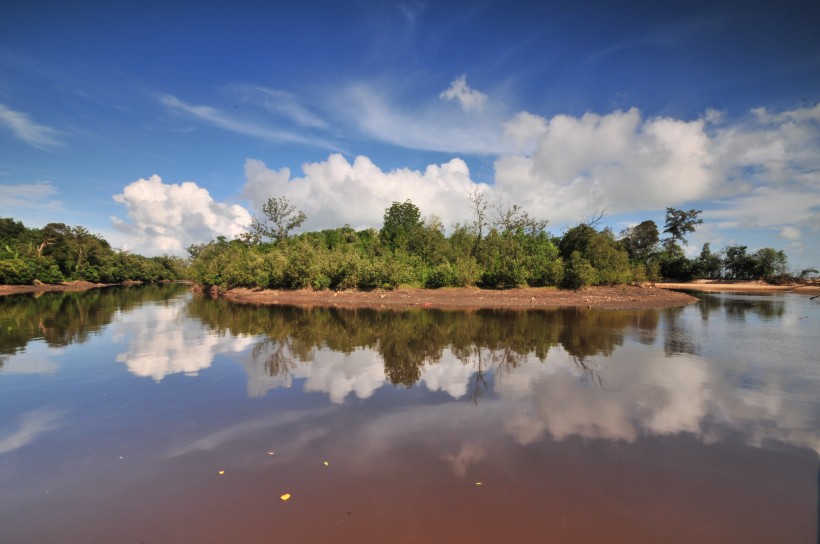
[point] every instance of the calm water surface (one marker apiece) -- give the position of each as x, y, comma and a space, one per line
150, 415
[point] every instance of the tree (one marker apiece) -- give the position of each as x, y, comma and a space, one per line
282, 217
478, 205
737, 263
513, 218
679, 223
401, 220
770, 263
641, 240
708, 264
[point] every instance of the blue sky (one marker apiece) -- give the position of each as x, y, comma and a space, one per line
159, 125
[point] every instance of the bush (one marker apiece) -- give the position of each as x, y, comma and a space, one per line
15, 272
578, 273
442, 275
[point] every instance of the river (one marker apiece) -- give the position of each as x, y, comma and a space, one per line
148, 414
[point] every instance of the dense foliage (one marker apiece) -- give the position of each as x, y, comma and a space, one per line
502, 248
58, 252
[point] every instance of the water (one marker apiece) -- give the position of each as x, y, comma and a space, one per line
146, 414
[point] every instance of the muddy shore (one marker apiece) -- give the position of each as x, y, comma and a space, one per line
469, 298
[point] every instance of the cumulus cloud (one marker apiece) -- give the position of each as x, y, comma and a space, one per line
755, 174
336, 192
469, 99
166, 218
23, 128
617, 161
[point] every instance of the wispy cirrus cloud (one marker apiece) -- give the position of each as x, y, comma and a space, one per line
28, 131
282, 104
28, 195
238, 125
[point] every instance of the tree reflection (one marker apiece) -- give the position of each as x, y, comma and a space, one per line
61, 319
738, 307
407, 340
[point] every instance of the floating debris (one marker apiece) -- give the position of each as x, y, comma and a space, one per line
221, 472
285, 497
325, 463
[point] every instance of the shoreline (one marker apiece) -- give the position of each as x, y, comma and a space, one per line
623, 297
741, 286
63, 287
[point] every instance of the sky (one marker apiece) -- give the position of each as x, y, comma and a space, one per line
159, 125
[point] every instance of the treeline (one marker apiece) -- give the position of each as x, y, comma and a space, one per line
58, 252
503, 247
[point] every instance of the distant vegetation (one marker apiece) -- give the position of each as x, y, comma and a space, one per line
58, 252
502, 247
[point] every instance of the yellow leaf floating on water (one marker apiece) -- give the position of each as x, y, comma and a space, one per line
478, 483
270, 453
285, 497
326, 463
221, 472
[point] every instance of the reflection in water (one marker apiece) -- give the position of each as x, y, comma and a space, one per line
61, 319
407, 341
32, 424
557, 408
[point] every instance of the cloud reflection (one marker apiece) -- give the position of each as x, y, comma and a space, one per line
162, 342
32, 424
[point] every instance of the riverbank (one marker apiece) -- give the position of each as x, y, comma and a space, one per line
60, 287
470, 298
741, 286
49, 287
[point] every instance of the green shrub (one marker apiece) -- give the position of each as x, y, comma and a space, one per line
578, 272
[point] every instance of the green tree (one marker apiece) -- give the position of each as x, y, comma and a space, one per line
640, 241
679, 223
281, 217
770, 263
737, 263
401, 221
708, 264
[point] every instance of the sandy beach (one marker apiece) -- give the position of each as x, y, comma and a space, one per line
741, 286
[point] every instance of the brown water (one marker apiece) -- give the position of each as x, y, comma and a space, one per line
121, 408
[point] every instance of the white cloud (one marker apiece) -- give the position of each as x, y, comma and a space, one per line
166, 218
335, 192
525, 129
618, 161
790, 233
28, 195
280, 103
469, 99
23, 128
432, 126
242, 126
769, 207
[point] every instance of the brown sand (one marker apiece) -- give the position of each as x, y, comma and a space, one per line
618, 297
742, 286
